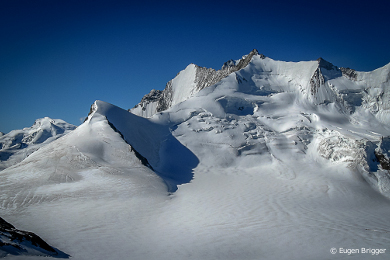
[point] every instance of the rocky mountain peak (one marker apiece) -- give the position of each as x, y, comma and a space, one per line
16, 145
228, 64
349, 73
325, 64
254, 52
157, 101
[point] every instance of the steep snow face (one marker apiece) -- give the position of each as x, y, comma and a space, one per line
276, 160
376, 96
92, 159
267, 172
270, 111
18, 144
153, 141
316, 83
187, 83
111, 145
177, 90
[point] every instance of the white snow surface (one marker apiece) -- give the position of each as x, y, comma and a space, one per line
18, 144
257, 166
182, 87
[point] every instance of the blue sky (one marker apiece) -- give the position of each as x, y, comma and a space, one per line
57, 57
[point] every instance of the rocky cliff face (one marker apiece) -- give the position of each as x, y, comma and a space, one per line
225, 145
195, 79
337, 94
348, 89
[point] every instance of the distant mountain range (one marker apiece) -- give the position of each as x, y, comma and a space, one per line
239, 152
18, 144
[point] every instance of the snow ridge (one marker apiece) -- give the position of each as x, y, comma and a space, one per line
263, 159
187, 83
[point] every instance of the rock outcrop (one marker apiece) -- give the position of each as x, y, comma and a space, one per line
17, 242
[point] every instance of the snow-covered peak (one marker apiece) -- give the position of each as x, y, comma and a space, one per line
325, 64
39, 132
18, 144
315, 83
273, 146
187, 83
229, 64
151, 140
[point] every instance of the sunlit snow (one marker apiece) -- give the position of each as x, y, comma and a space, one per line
278, 160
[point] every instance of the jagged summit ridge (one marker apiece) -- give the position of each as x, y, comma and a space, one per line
346, 72
235, 65
242, 153
187, 83
325, 64
313, 81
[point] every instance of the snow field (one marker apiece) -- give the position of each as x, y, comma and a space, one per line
265, 164
228, 213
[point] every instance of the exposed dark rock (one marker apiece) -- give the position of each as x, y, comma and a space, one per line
321, 75
382, 153
384, 162
228, 64
349, 73
165, 99
325, 64
205, 77
90, 112
153, 96
316, 81
4, 225
17, 242
245, 61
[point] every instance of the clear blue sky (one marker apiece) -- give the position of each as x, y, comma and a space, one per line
58, 56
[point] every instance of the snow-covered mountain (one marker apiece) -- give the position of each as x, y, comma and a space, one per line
18, 144
320, 81
316, 90
262, 159
187, 83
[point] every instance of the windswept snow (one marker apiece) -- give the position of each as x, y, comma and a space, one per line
276, 160
18, 242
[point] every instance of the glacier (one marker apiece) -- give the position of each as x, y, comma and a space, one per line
262, 159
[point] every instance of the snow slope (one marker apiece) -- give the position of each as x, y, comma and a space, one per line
276, 160
18, 144
187, 83
18, 242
